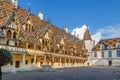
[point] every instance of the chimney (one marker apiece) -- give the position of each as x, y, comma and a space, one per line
75, 33
40, 15
15, 3
66, 29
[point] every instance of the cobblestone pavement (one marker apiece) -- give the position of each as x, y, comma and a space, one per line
81, 73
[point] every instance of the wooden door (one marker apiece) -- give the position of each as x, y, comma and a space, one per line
17, 64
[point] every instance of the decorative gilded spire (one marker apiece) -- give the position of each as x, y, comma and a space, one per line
87, 35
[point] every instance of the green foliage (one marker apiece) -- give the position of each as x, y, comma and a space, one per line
5, 57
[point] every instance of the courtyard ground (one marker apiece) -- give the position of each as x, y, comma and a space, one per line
80, 73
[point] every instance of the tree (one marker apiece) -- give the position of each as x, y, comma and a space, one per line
5, 58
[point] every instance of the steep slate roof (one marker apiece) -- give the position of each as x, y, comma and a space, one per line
108, 42
40, 27
87, 35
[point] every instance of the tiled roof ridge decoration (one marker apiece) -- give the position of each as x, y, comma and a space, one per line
87, 35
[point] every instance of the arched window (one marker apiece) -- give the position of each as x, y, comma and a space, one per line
14, 35
13, 25
118, 45
9, 34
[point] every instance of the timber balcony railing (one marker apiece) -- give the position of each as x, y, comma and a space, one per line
34, 52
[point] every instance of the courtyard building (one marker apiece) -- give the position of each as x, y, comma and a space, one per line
35, 42
106, 53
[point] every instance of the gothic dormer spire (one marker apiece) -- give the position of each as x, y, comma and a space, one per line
87, 35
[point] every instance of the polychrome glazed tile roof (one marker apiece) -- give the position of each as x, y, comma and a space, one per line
108, 44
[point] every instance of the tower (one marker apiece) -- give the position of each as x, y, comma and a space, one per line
88, 45
88, 41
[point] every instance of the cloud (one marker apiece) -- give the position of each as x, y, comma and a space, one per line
104, 33
96, 37
110, 32
79, 31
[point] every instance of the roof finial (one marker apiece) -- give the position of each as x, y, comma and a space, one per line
40, 15
49, 19
29, 7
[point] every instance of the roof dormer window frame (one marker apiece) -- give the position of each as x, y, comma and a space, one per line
12, 25
102, 46
117, 45
109, 47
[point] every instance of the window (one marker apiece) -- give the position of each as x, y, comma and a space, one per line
118, 45
95, 54
14, 35
109, 47
109, 53
11, 63
9, 34
32, 60
102, 53
12, 25
26, 62
102, 46
118, 53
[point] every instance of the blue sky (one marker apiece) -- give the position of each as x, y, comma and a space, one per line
97, 14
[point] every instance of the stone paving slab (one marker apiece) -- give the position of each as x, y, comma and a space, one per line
81, 73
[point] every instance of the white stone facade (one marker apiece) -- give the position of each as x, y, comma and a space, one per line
103, 58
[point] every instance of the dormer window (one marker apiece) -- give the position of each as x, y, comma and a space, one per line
12, 25
28, 28
109, 47
14, 35
102, 46
118, 45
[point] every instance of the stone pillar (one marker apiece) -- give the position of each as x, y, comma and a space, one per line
9, 66
52, 60
65, 63
34, 61
45, 56
60, 62
80, 62
72, 63
69, 63
75, 63
23, 65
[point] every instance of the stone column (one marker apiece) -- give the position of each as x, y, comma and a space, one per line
23, 65
60, 62
65, 63
69, 62
52, 60
34, 61
45, 56
9, 66
75, 63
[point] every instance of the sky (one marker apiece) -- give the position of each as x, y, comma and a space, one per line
101, 16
